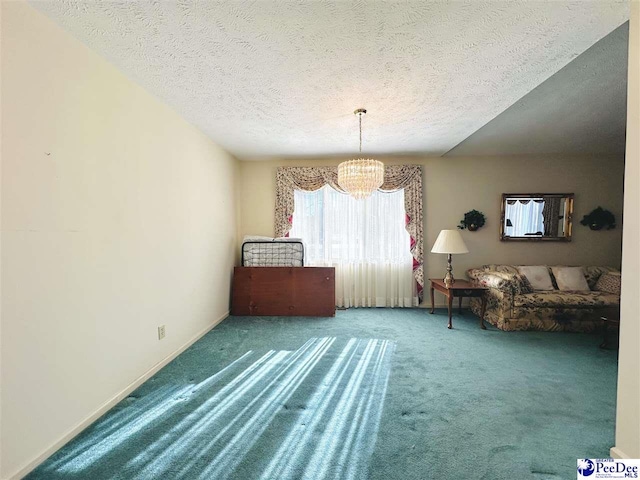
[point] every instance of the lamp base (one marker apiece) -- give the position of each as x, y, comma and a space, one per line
448, 278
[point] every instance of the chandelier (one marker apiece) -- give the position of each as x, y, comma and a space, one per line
360, 177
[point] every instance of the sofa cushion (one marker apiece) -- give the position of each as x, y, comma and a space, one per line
560, 299
502, 277
522, 284
609, 282
570, 279
492, 267
538, 277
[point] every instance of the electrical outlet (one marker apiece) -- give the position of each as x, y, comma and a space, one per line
161, 332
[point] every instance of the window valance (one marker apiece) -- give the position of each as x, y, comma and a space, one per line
396, 177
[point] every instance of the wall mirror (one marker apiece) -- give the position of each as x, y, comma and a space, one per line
536, 217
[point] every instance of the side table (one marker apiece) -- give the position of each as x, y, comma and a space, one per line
608, 323
460, 289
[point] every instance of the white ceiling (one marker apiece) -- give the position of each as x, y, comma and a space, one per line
579, 110
278, 78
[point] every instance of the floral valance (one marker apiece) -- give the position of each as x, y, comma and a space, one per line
396, 177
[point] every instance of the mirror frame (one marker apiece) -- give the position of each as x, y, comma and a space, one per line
568, 221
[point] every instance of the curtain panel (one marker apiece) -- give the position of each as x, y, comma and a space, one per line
396, 177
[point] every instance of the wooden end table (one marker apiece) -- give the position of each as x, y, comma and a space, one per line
460, 289
608, 323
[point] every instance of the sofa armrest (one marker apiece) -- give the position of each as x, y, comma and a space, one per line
503, 288
505, 282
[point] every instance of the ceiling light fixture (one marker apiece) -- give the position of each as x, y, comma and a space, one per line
360, 177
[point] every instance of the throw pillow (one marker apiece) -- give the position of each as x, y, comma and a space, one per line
538, 277
570, 278
609, 283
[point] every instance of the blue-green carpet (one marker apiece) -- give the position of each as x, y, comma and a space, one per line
371, 393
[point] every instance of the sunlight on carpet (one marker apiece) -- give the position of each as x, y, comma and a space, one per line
336, 394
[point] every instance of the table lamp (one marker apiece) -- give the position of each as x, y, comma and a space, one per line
449, 242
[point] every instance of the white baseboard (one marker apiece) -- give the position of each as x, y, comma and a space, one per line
615, 452
67, 437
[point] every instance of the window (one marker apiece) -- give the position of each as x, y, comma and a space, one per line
365, 240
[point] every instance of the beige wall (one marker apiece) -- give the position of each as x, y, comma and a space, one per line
0, 247
117, 216
453, 186
628, 409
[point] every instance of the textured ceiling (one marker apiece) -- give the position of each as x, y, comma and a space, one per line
280, 78
579, 110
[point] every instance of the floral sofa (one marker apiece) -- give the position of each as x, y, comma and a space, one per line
512, 305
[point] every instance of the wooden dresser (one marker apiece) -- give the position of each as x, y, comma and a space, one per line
284, 291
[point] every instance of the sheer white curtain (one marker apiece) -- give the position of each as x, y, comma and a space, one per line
366, 242
525, 217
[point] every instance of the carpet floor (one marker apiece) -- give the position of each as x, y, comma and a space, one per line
369, 394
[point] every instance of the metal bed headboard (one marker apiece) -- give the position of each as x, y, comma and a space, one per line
281, 258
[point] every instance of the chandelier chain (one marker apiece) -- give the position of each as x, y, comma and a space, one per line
360, 122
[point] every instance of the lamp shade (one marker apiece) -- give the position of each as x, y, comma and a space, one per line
449, 241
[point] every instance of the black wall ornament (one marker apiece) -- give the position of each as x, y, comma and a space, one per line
472, 221
598, 219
